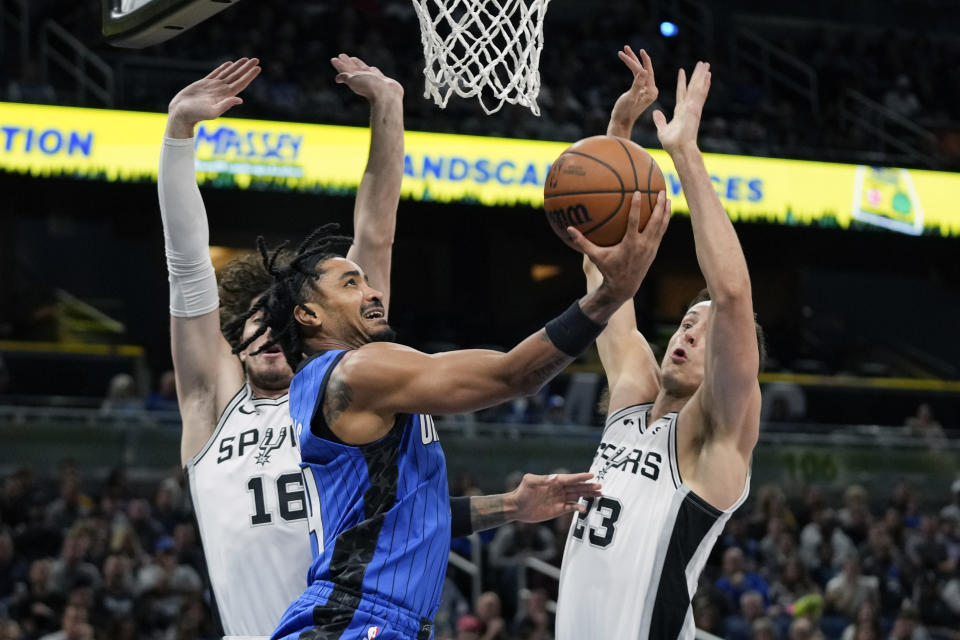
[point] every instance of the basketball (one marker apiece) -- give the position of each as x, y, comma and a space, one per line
591, 184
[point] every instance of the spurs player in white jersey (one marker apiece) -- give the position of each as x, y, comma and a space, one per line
674, 460
238, 446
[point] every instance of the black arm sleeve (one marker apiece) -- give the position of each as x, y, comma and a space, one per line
460, 524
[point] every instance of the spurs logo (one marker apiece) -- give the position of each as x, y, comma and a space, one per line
268, 445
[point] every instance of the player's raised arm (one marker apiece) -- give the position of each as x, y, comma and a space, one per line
207, 373
730, 394
375, 209
385, 378
633, 375
634, 101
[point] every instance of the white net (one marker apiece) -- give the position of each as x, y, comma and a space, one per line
488, 49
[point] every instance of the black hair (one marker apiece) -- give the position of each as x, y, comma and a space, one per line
286, 292
704, 296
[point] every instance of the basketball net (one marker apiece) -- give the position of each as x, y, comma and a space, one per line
476, 45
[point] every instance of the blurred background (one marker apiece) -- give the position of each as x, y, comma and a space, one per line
853, 524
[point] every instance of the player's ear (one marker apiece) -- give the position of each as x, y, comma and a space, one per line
309, 314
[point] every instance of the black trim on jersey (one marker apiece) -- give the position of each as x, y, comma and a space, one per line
318, 424
673, 453
613, 417
694, 520
354, 549
235, 402
218, 629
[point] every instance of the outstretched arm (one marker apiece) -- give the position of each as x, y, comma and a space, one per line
375, 209
379, 380
536, 499
730, 394
207, 373
633, 376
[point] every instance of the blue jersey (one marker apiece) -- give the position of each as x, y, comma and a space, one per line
379, 513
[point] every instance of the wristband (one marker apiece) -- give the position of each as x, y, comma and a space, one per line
572, 332
460, 525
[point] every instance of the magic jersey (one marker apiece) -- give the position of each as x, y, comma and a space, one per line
379, 515
632, 562
248, 496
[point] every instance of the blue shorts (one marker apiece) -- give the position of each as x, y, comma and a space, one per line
325, 612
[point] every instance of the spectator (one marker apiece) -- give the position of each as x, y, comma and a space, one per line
735, 581
510, 548
927, 551
764, 629
535, 622
740, 625
901, 98
36, 607
469, 627
167, 583
952, 510
10, 630
792, 584
823, 528
165, 397
72, 503
855, 517
487, 611
115, 601
924, 426
73, 625
804, 629
13, 568
122, 397
866, 626
908, 627
146, 528
847, 591
881, 559
71, 570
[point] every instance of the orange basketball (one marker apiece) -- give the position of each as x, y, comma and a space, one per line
591, 184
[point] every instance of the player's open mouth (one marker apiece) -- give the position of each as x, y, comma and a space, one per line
373, 314
275, 350
678, 355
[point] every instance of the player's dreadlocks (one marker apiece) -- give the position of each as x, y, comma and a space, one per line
286, 292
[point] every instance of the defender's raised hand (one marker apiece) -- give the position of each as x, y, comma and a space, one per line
213, 95
625, 264
681, 131
641, 94
363, 79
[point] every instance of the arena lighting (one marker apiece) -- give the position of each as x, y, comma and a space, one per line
668, 29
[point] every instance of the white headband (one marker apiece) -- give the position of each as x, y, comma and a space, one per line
705, 303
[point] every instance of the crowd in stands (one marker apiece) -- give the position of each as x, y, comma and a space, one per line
106, 560
909, 73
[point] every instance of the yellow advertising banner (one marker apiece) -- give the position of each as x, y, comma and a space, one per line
45, 141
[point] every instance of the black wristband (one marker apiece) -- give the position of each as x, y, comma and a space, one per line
460, 524
572, 331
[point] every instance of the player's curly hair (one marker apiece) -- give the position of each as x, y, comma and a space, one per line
289, 272
241, 282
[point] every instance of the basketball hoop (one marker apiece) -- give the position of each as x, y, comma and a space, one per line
476, 45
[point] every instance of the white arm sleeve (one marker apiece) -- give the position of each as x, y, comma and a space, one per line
193, 283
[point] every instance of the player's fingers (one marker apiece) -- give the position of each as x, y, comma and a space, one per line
681, 85
226, 104
567, 478
342, 78
659, 120
216, 72
630, 53
633, 65
647, 64
587, 247
245, 81
574, 506
241, 71
636, 209
229, 67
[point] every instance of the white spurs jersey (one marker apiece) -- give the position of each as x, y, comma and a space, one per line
249, 499
631, 564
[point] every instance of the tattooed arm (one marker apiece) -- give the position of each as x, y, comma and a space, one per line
536, 499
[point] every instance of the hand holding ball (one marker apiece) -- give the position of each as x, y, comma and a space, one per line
591, 185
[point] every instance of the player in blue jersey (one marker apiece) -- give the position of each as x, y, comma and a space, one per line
379, 514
